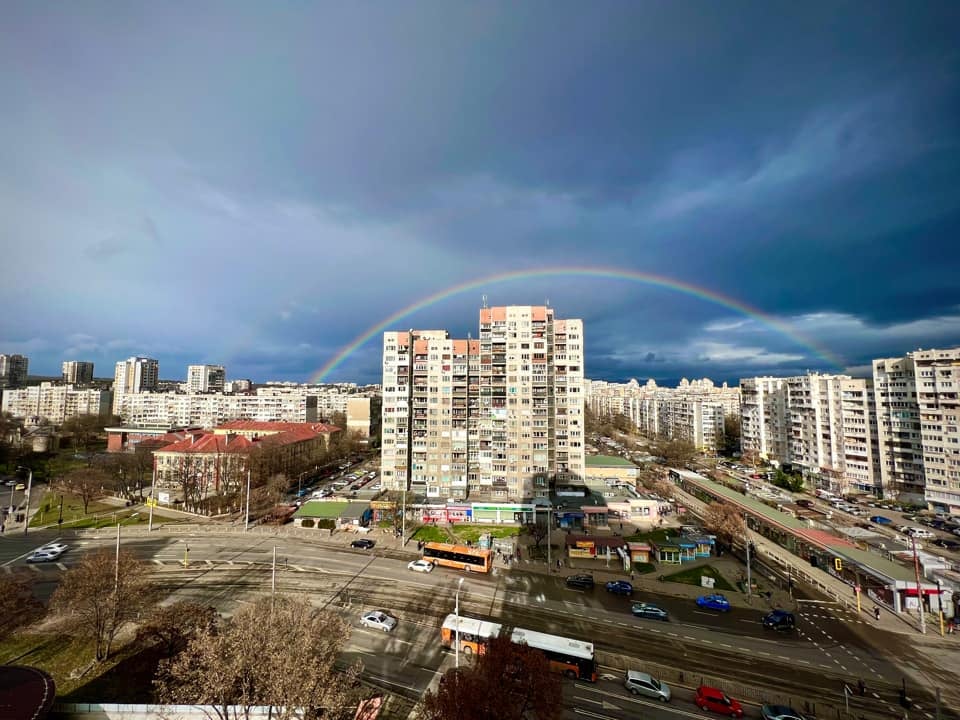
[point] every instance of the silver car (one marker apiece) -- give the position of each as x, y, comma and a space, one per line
378, 620
641, 683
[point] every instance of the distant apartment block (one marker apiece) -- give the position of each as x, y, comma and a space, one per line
497, 417
237, 386
206, 410
205, 378
358, 416
692, 411
13, 370
134, 375
77, 372
823, 425
55, 403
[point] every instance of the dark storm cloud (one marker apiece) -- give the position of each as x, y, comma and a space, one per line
263, 183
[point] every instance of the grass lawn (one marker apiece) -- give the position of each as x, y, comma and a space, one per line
691, 576
655, 536
643, 568
473, 532
125, 677
100, 514
431, 533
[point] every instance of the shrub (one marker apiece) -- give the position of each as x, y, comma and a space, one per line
307, 523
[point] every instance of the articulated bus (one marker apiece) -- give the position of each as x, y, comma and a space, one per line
459, 556
474, 634
573, 658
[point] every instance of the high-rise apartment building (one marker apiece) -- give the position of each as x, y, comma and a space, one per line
55, 403
501, 416
13, 370
823, 425
205, 378
919, 425
134, 375
77, 372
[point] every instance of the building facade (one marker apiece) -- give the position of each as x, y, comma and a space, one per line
209, 409
76, 372
823, 425
692, 411
56, 403
205, 378
132, 376
498, 417
13, 370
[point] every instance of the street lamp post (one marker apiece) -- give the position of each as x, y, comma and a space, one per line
26, 510
940, 605
246, 522
456, 650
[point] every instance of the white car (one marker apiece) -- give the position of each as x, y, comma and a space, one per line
39, 556
57, 547
420, 566
379, 620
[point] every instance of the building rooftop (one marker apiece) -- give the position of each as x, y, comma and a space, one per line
607, 461
320, 509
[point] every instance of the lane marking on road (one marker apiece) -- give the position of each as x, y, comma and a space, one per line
588, 713
62, 566
726, 645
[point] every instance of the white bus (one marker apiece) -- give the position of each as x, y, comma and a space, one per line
574, 658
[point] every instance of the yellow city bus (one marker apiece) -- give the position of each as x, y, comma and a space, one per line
474, 634
462, 557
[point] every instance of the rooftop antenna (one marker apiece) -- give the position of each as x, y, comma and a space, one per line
484, 296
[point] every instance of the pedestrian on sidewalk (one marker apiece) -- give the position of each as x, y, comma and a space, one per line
876, 613
861, 687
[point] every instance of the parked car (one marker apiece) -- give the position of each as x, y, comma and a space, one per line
582, 582
779, 712
649, 611
619, 587
20, 486
641, 683
420, 565
714, 602
715, 700
881, 520
780, 620
378, 620
363, 543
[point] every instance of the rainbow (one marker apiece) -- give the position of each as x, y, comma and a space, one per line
588, 272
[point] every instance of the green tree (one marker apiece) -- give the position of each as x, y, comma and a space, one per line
676, 452
731, 434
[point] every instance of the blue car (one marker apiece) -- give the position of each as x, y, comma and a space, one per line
880, 520
620, 587
714, 602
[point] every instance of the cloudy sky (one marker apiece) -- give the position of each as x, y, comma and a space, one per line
261, 184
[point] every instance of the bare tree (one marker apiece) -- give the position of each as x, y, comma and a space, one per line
171, 627
507, 682
279, 652
725, 521
537, 531
86, 483
85, 430
98, 596
18, 605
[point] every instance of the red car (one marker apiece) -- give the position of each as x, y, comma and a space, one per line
715, 700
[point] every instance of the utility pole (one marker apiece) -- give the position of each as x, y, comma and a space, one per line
746, 535
26, 511
549, 563
116, 566
940, 605
273, 575
916, 569
150, 502
246, 522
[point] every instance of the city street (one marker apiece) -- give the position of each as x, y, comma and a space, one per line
731, 650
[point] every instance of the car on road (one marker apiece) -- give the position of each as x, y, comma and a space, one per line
39, 556
619, 587
420, 565
715, 700
779, 620
57, 547
649, 611
20, 486
880, 520
779, 712
714, 602
581, 582
947, 544
363, 543
378, 620
641, 683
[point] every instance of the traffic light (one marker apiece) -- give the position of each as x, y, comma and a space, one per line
838, 564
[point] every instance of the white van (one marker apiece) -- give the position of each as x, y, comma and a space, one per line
917, 532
